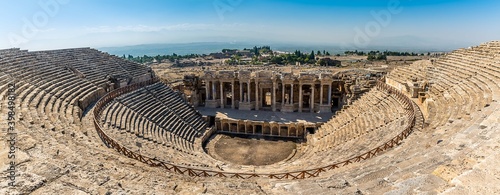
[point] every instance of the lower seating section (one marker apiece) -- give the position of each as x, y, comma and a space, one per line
158, 114
168, 97
369, 122
374, 110
157, 122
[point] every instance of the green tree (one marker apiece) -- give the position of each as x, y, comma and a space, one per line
300, 59
277, 60
237, 58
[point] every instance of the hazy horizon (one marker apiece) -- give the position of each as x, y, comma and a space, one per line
211, 47
361, 24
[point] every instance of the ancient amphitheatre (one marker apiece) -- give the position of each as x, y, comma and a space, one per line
91, 123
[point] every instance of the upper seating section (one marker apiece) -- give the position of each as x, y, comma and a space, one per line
477, 66
94, 65
63, 82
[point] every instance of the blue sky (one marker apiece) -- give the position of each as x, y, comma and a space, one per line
50, 24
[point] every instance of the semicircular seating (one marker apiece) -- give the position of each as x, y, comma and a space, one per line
152, 123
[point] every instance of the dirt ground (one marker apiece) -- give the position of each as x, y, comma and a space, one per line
246, 151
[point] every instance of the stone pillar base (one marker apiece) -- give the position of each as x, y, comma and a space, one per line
287, 108
325, 109
246, 105
212, 103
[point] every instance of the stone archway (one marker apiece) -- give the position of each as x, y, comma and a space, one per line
292, 132
266, 130
275, 130
241, 128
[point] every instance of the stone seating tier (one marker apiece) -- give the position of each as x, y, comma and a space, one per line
156, 113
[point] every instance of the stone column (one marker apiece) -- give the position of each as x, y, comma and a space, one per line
282, 95
207, 90
214, 90
262, 94
232, 94
291, 94
321, 95
329, 94
256, 95
248, 92
241, 92
300, 97
222, 94
312, 97
273, 98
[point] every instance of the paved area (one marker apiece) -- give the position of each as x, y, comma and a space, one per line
259, 115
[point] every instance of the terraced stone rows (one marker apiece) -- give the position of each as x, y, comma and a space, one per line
407, 169
168, 96
95, 65
125, 119
374, 115
47, 91
466, 77
166, 153
155, 113
151, 132
172, 121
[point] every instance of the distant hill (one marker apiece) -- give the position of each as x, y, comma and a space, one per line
414, 45
178, 48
